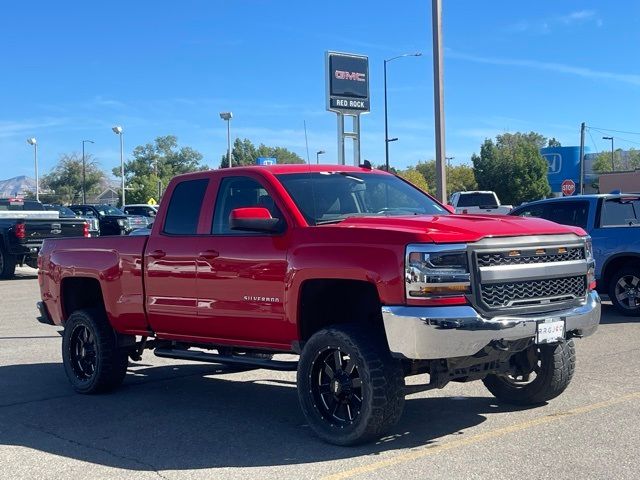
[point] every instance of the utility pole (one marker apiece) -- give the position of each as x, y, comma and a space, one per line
613, 167
438, 97
582, 129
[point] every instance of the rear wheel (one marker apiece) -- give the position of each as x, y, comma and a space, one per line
7, 264
539, 374
92, 360
624, 291
350, 388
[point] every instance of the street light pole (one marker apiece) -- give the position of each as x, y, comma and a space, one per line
438, 100
118, 130
318, 153
386, 123
84, 173
228, 116
613, 168
34, 142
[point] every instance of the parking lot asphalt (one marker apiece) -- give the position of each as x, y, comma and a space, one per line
178, 420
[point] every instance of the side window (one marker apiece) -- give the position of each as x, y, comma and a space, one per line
239, 192
618, 213
568, 213
184, 207
535, 211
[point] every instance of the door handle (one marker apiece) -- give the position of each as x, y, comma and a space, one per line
208, 255
157, 254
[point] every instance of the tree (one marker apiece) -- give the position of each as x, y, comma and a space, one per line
414, 176
65, 179
622, 161
158, 161
459, 177
244, 152
553, 143
513, 167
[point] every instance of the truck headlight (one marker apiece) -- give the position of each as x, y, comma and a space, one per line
436, 271
591, 269
121, 222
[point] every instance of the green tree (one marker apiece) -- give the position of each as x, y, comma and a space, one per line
65, 179
622, 161
459, 177
414, 176
553, 143
158, 161
513, 167
244, 153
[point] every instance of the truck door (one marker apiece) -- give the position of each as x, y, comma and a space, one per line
241, 275
170, 262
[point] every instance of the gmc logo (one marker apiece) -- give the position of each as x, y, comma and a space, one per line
354, 76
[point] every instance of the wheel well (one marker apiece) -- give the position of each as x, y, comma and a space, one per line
79, 293
325, 302
614, 265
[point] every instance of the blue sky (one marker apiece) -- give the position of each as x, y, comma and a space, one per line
71, 70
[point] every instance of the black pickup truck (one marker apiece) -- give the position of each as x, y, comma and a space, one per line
24, 224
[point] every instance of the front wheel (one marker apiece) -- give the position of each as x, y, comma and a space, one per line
350, 388
92, 360
540, 373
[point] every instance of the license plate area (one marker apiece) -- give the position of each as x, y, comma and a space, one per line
550, 330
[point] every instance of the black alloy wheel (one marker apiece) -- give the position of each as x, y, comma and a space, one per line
336, 387
624, 291
83, 353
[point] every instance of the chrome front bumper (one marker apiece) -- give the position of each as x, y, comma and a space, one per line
460, 331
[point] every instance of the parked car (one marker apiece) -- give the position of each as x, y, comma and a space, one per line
364, 276
111, 220
24, 224
66, 212
478, 203
142, 209
613, 221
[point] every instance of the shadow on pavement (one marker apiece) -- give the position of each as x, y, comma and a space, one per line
610, 316
181, 417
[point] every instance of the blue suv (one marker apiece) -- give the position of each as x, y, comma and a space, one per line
613, 221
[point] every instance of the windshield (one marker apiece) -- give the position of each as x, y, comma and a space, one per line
477, 200
327, 197
108, 210
63, 211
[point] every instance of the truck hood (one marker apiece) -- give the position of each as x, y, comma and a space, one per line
461, 228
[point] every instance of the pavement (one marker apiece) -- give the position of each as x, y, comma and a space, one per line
180, 420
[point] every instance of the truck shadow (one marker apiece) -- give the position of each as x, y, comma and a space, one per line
182, 417
611, 316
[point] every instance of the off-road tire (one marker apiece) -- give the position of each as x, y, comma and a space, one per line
381, 378
109, 361
7, 264
557, 365
626, 275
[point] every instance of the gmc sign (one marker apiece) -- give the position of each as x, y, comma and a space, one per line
347, 83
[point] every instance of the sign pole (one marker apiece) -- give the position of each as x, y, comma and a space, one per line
340, 139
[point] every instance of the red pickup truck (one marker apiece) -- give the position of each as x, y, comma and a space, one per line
365, 277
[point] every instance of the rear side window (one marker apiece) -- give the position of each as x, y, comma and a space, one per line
568, 213
535, 211
618, 213
184, 208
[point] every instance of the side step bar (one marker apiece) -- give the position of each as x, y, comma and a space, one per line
200, 356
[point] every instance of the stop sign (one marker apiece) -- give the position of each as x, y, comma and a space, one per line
568, 188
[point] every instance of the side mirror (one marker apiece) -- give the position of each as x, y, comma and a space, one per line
450, 208
254, 219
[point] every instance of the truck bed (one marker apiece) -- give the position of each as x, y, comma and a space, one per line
116, 262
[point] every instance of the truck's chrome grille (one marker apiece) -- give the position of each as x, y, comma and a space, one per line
525, 256
535, 292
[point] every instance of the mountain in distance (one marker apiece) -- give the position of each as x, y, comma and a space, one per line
17, 186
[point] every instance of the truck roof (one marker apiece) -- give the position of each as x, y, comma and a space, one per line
294, 168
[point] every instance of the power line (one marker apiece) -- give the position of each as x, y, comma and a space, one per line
592, 140
617, 138
616, 131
